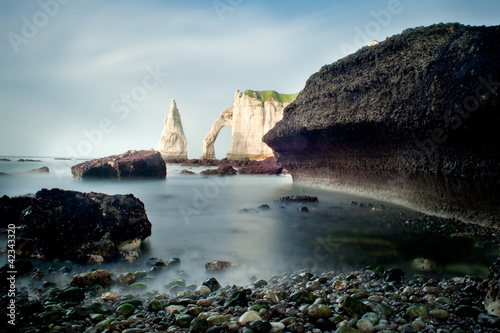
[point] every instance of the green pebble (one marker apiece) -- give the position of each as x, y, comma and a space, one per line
371, 316
301, 297
138, 286
199, 325
258, 307
183, 320
415, 311
104, 324
125, 310
439, 314
155, 305
97, 317
260, 283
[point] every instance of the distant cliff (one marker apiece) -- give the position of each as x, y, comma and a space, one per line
413, 120
252, 115
173, 143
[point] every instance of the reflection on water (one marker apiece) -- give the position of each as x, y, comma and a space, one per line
200, 219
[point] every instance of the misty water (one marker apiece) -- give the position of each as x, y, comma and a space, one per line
200, 219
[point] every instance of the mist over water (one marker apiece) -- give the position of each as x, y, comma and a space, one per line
201, 219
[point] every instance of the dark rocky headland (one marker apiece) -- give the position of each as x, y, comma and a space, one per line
413, 120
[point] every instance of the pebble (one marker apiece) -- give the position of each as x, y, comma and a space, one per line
360, 301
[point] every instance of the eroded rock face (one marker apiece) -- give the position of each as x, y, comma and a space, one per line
173, 143
413, 120
132, 164
74, 225
252, 115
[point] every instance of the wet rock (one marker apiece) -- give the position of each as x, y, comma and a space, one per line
126, 278
487, 320
439, 314
247, 317
223, 170
298, 198
302, 297
394, 274
43, 169
365, 325
84, 280
132, 164
213, 284
353, 307
125, 310
319, 311
467, 311
304, 209
70, 294
198, 325
416, 311
239, 297
187, 172
268, 166
75, 225
218, 265
183, 320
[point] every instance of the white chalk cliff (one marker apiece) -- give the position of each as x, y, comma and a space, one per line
252, 115
173, 143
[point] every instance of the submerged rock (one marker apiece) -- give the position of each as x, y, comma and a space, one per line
412, 120
75, 225
223, 170
132, 164
43, 169
218, 265
298, 198
268, 166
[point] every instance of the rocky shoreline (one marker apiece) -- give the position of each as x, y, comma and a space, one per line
367, 300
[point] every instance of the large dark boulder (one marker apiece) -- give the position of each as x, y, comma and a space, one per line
74, 225
132, 164
413, 120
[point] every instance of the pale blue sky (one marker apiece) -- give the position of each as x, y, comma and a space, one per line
89, 78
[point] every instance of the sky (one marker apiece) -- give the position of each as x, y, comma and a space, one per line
94, 78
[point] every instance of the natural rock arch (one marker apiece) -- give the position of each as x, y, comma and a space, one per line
225, 119
252, 115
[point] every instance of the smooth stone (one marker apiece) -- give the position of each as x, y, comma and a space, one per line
125, 310
217, 320
439, 314
365, 325
183, 320
487, 320
375, 299
371, 316
203, 291
199, 325
319, 311
248, 317
155, 305
416, 311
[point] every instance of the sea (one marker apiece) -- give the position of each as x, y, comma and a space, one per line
239, 219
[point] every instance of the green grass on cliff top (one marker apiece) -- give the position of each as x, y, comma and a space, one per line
265, 95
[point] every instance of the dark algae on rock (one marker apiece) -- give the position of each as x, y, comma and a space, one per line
413, 120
